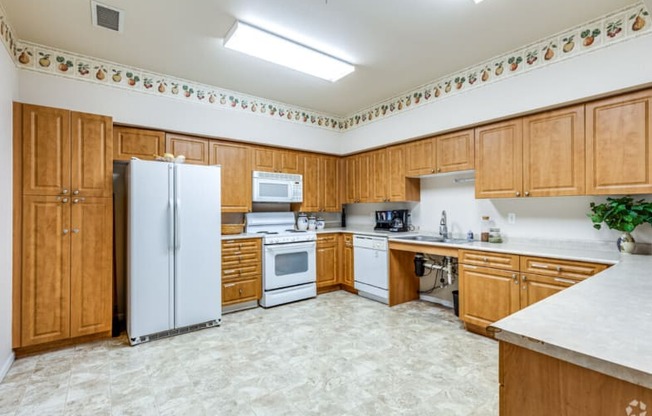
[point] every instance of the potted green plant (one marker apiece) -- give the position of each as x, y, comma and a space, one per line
622, 214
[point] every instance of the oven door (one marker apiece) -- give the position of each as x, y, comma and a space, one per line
289, 265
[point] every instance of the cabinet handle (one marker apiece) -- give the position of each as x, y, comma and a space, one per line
432, 171
64, 200
572, 282
438, 169
75, 230
64, 191
515, 278
65, 231
75, 192
527, 193
229, 271
539, 266
229, 285
524, 278
485, 259
240, 291
518, 193
559, 269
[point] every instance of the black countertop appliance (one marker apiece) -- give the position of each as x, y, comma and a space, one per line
392, 220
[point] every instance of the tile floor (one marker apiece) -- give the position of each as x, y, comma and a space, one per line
338, 354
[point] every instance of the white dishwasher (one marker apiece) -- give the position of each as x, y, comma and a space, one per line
371, 267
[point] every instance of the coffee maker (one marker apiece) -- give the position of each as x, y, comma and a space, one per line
392, 220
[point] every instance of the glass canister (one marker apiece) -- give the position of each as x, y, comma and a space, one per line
485, 226
494, 235
320, 223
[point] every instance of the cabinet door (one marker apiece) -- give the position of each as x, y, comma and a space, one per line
264, 159
379, 176
619, 145
363, 178
455, 152
400, 188
45, 297
536, 287
46, 151
347, 259
92, 155
236, 175
420, 157
499, 160
195, 150
328, 178
487, 295
91, 242
553, 153
352, 192
327, 260
143, 144
311, 184
288, 161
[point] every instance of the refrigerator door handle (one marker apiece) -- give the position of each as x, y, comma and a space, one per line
177, 208
171, 223
177, 224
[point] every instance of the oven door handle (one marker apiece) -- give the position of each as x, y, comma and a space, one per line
289, 248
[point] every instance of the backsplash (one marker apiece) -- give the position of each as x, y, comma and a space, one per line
626, 23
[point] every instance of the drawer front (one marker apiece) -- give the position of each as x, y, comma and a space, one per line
233, 260
560, 268
240, 272
244, 291
489, 259
327, 238
252, 244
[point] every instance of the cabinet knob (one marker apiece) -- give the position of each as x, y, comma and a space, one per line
524, 278
75, 201
527, 193
438, 169
65, 231
64, 191
485, 259
64, 201
432, 171
75, 230
518, 193
240, 291
75, 192
559, 268
515, 278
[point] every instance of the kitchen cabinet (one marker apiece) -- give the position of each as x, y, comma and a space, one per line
320, 179
235, 160
553, 153
619, 145
66, 152
495, 285
275, 160
359, 182
241, 271
195, 149
327, 260
399, 187
447, 153
346, 263
499, 160
143, 144
65, 230
351, 174
379, 176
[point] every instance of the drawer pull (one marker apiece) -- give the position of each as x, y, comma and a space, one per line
241, 291
230, 285
559, 268
539, 266
468, 266
571, 282
485, 259
229, 271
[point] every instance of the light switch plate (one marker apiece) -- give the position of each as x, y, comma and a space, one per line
511, 218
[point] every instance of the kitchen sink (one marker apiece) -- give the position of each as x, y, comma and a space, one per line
433, 239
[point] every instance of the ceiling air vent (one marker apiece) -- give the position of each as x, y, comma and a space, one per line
107, 17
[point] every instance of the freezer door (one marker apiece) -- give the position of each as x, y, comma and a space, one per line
150, 248
198, 257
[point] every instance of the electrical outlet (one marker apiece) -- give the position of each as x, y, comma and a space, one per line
511, 218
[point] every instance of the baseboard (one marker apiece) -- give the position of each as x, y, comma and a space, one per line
436, 300
6, 366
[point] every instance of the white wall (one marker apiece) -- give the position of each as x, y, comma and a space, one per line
614, 68
8, 82
140, 109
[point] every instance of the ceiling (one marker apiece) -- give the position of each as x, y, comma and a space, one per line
395, 45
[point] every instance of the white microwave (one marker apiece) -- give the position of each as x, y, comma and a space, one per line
276, 187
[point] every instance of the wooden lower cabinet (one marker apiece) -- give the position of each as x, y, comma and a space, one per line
535, 384
346, 260
327, 260
67, 268
241, 270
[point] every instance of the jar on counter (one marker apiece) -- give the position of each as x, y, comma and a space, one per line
485, 226
494, 235
320, 223
312, 223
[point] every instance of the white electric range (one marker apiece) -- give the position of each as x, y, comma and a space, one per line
289, 258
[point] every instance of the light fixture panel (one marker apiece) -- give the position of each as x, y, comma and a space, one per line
272, 48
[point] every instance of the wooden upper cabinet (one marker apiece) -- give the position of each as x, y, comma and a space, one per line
379, 176
553, 153
45, 283
329, 171
236, 175
455, 152
275, 160
619, 145
195, 149
320, 179
46, 150
419, 156
499, 160
311, 183
351, 175
140, 143
399, 187
91, 250
364, 174
92, 155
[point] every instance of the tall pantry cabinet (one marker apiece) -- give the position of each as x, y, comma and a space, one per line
63, 164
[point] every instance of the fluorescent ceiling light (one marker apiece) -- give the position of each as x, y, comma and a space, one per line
477, 1
264, 45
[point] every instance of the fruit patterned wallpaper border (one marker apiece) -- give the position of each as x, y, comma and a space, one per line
626, 23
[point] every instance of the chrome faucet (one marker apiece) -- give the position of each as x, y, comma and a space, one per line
443, 228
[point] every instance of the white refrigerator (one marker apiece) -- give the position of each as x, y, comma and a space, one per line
173, 249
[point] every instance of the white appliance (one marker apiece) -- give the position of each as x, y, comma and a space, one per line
371, 267
276, 187
289, 258
173, 249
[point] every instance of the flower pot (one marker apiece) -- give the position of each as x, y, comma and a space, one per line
626, 243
